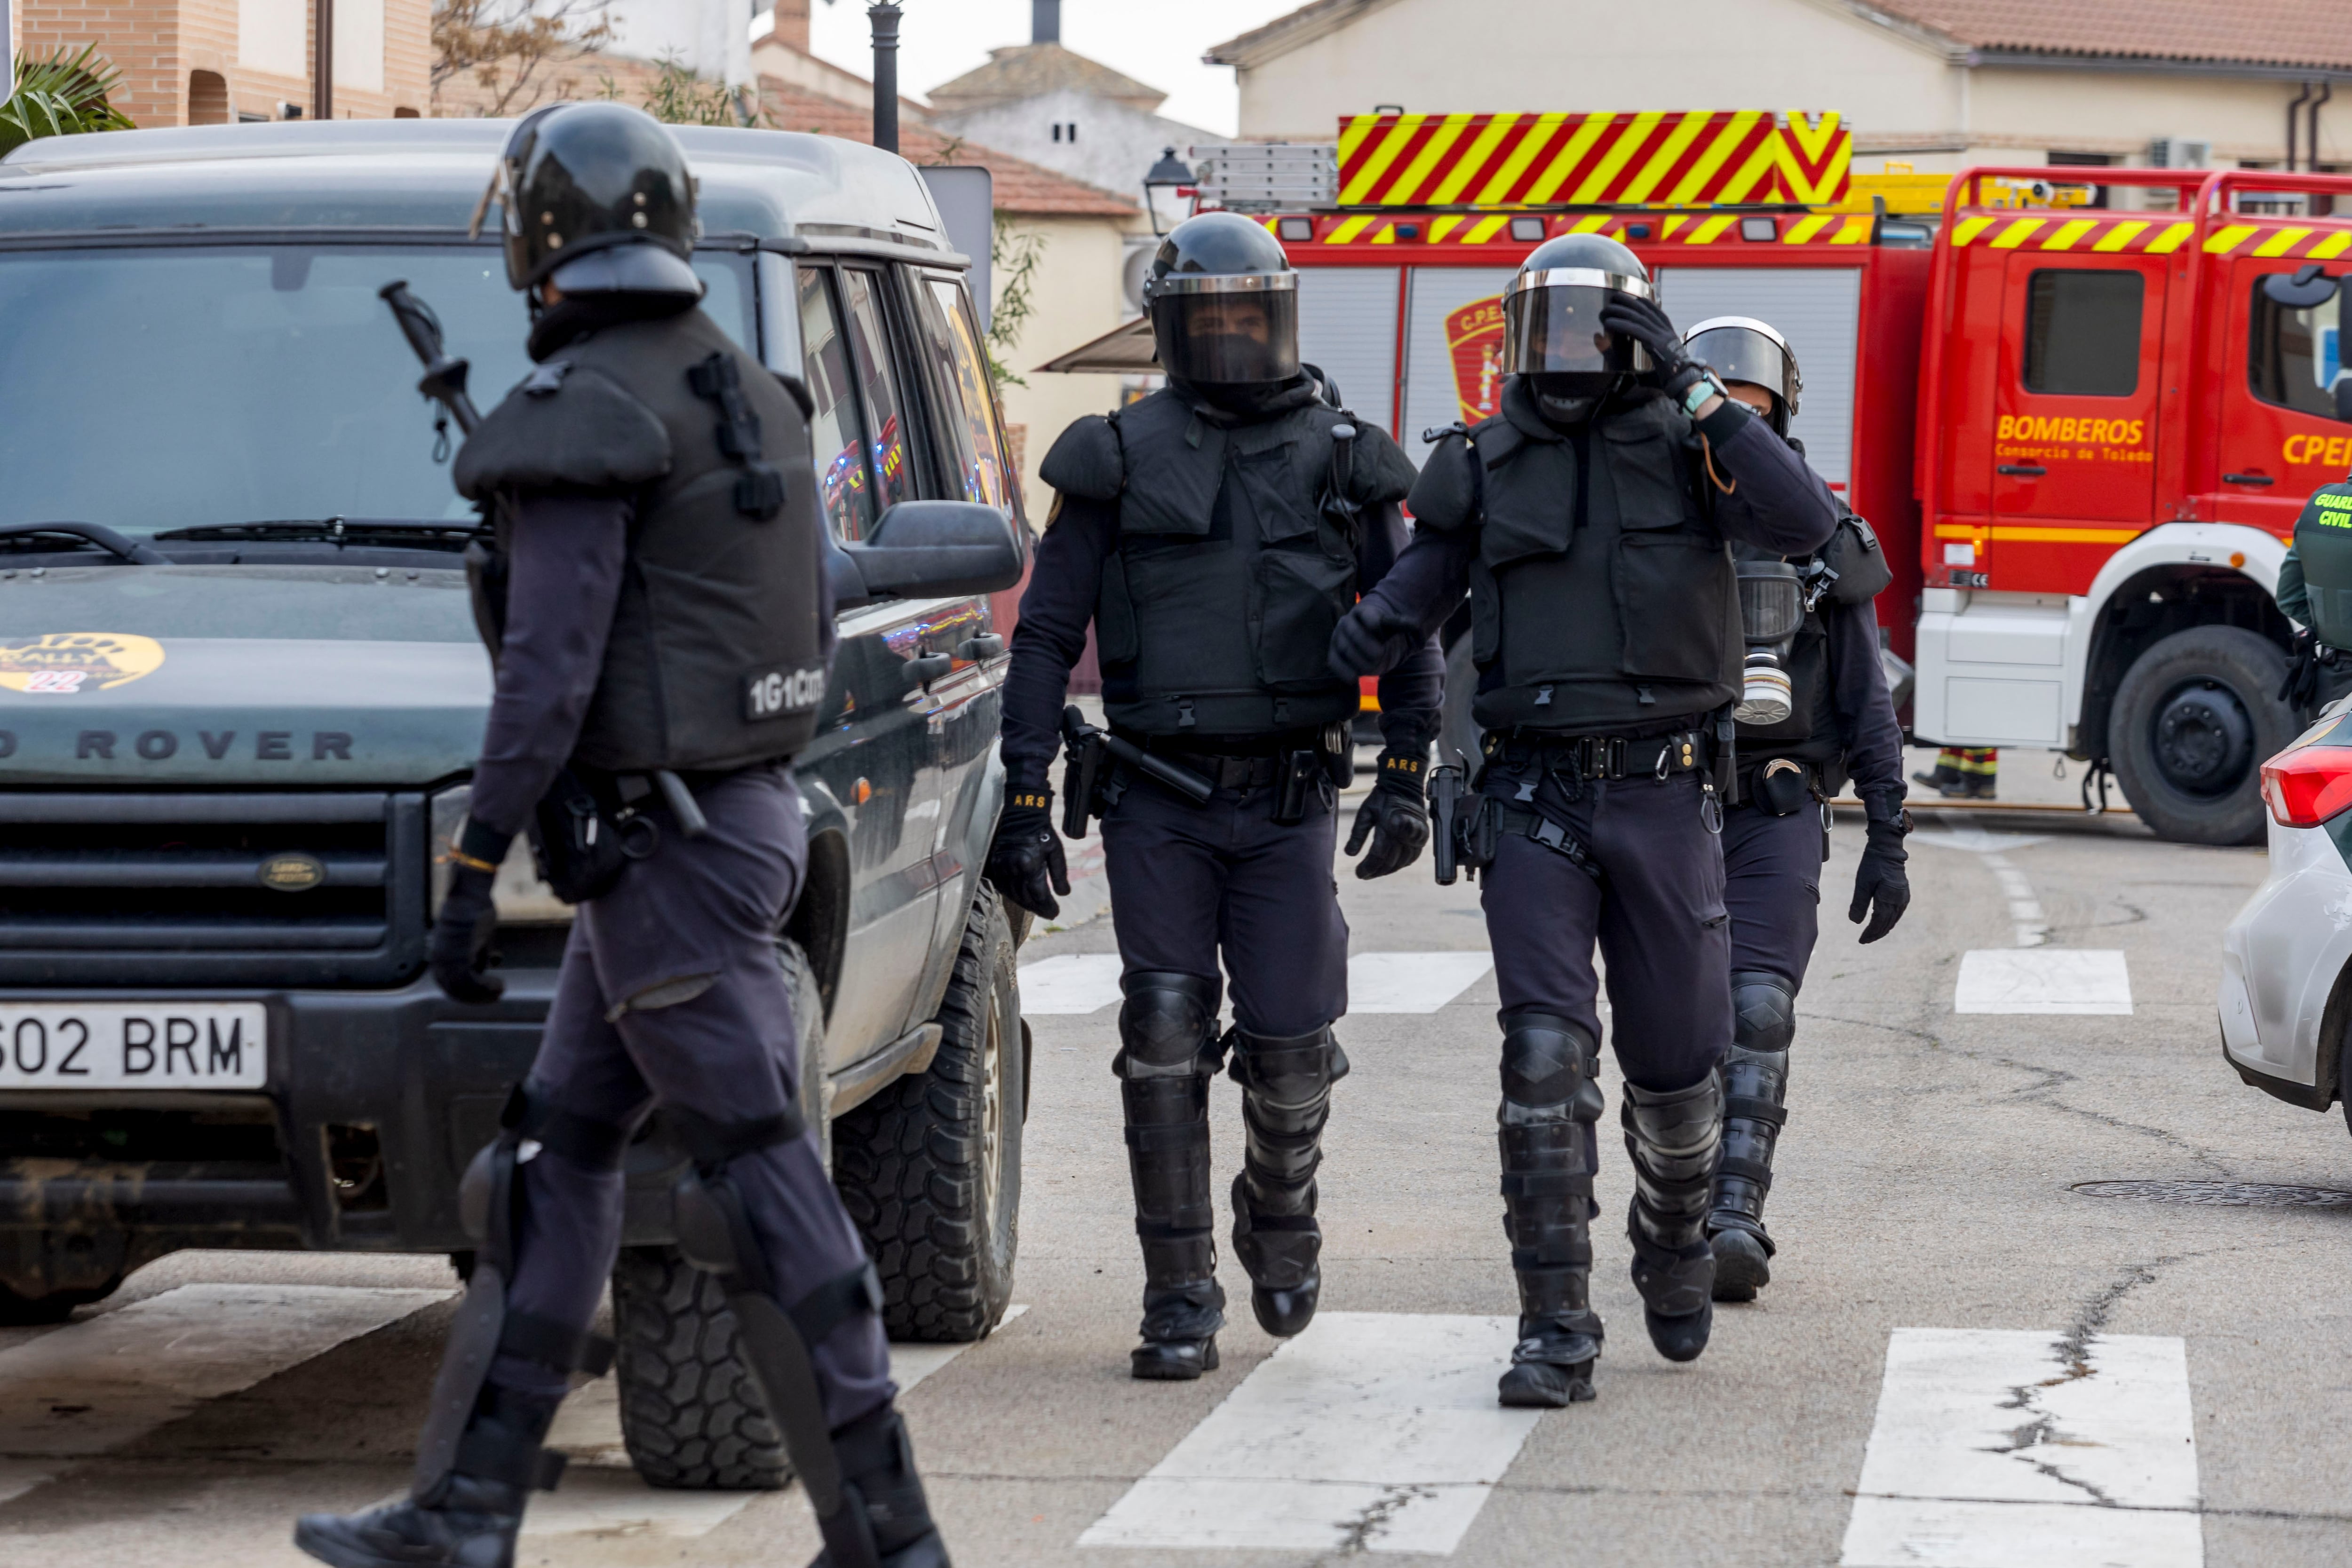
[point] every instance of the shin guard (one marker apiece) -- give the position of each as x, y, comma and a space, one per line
1286, 1100
1551, 1101
1168, 1053
1755, 1089
1674, 1138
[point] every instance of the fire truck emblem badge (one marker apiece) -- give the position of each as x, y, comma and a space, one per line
1473, 337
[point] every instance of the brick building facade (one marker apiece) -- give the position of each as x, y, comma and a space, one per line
209, 62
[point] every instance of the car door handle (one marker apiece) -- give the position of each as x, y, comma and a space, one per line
987, 645
929, 667
2030, 470
2248, 479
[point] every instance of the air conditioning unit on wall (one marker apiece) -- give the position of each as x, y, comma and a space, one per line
2179, 152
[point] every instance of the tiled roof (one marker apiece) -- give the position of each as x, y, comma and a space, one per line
1020, 186
1032, 70
2295, 33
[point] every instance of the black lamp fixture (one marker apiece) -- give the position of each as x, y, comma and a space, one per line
1170, 175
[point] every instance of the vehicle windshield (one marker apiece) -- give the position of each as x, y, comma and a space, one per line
171, 387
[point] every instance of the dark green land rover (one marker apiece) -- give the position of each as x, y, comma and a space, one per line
240, 691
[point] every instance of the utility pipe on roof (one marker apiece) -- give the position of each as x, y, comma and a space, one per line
2294, 126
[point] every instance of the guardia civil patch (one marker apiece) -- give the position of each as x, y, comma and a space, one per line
67, 664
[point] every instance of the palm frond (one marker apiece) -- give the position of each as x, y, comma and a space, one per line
61, 94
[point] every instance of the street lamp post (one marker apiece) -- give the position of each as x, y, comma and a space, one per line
1170, 175
885, 15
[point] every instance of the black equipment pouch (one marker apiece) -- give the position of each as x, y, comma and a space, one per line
1298, 778
1083, 755
1476, 827
1783, 787
1339, 754
580, 841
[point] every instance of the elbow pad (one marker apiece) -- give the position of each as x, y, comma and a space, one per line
1086, 461
565, 428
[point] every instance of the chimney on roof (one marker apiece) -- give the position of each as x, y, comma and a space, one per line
791, 24
1044, 21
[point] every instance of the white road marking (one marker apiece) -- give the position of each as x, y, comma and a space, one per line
1078, 983
2031, 927
1998, 1448
1069, 983
106, 1381
1975, 841
1412, 982
2042, 980
1372, 1431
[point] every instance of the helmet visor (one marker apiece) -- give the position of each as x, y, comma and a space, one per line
1738, 353
1551, 325
1222, 330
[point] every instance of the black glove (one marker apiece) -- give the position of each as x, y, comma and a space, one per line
458, 951
1024, 861
1369, 640
1395, 816
2300, 688
1630, 316
1881, 888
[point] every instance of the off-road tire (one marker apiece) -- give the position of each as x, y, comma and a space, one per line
691, 1415
930, 1167
2230, 662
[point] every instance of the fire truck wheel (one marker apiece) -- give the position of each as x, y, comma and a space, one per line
2193, 719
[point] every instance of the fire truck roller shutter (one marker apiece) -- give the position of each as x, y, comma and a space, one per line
1347, 327
1452, 350
1819, 310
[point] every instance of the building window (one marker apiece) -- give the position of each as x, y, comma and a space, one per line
2084, 160
2082, 331
1065, 130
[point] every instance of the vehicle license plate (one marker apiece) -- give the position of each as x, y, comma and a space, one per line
133, 1045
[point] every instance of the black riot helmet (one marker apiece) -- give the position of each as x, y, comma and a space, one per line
597, 197
1742, 348
1223, 303
1552, 316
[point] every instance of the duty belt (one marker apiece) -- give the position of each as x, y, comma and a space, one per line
1611, 757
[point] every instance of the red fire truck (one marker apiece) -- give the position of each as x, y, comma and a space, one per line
2083, 431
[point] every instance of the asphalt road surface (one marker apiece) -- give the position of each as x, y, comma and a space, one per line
1973, 1353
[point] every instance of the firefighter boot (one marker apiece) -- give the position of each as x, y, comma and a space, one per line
1755, 1090
1946, 778
466, 1520
1286, 1099
1674, 1136
1551, 1101
1167, 1053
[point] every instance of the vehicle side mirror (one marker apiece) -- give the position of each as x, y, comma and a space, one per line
921, 549
2303, 289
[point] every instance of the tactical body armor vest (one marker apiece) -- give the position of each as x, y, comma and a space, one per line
1632, 619
2323, 544
1235, 560
717, 658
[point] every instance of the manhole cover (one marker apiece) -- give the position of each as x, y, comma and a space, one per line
2222, 1194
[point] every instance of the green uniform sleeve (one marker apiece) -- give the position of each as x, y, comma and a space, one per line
2293, 601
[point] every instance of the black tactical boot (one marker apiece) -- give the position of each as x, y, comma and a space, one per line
469, 1518
1754, 1087
1674, 1138
884, 1516
1286, 1099
1167, 1053
1549, 1104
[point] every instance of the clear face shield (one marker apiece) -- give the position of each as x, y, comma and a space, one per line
1222, 330
1740, 349
1551, 327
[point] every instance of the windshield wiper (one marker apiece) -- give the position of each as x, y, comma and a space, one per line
337, 532
85, 535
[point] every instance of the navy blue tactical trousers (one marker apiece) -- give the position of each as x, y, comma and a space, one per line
706, 907
1772, 885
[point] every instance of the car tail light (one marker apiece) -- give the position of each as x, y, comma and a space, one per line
2307, 786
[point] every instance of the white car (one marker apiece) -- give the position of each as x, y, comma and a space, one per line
2286, 959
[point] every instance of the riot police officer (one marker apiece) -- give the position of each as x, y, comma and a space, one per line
1588, 520
1213, 533
1822, 717
645, 449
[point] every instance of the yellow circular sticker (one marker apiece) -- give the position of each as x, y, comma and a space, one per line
61, 663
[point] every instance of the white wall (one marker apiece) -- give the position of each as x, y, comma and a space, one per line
1116, 145
359, 45
271, 35
710, 37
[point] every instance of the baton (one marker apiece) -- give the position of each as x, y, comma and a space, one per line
1184, 780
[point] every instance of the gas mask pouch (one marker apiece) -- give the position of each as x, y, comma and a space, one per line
1783, 787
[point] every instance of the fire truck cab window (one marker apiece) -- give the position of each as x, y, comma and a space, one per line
2082, 333
2294, 357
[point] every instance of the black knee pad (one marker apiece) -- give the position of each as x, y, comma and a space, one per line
1165, 1026
1763, 1010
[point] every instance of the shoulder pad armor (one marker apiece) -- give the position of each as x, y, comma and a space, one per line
1382, 464
1445, 496
1085, 460
566, 427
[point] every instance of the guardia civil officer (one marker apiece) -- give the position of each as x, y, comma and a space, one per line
1836, 723
1588, 520
657, 532
2315, 591
1214, 534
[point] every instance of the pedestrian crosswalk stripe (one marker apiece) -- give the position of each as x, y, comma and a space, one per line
108, 1380
1370, 1432
1997, 1448
1073, 983
2042, 980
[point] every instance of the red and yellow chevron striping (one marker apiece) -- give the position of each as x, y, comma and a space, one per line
1467, 229
1537, 160
2158, 236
